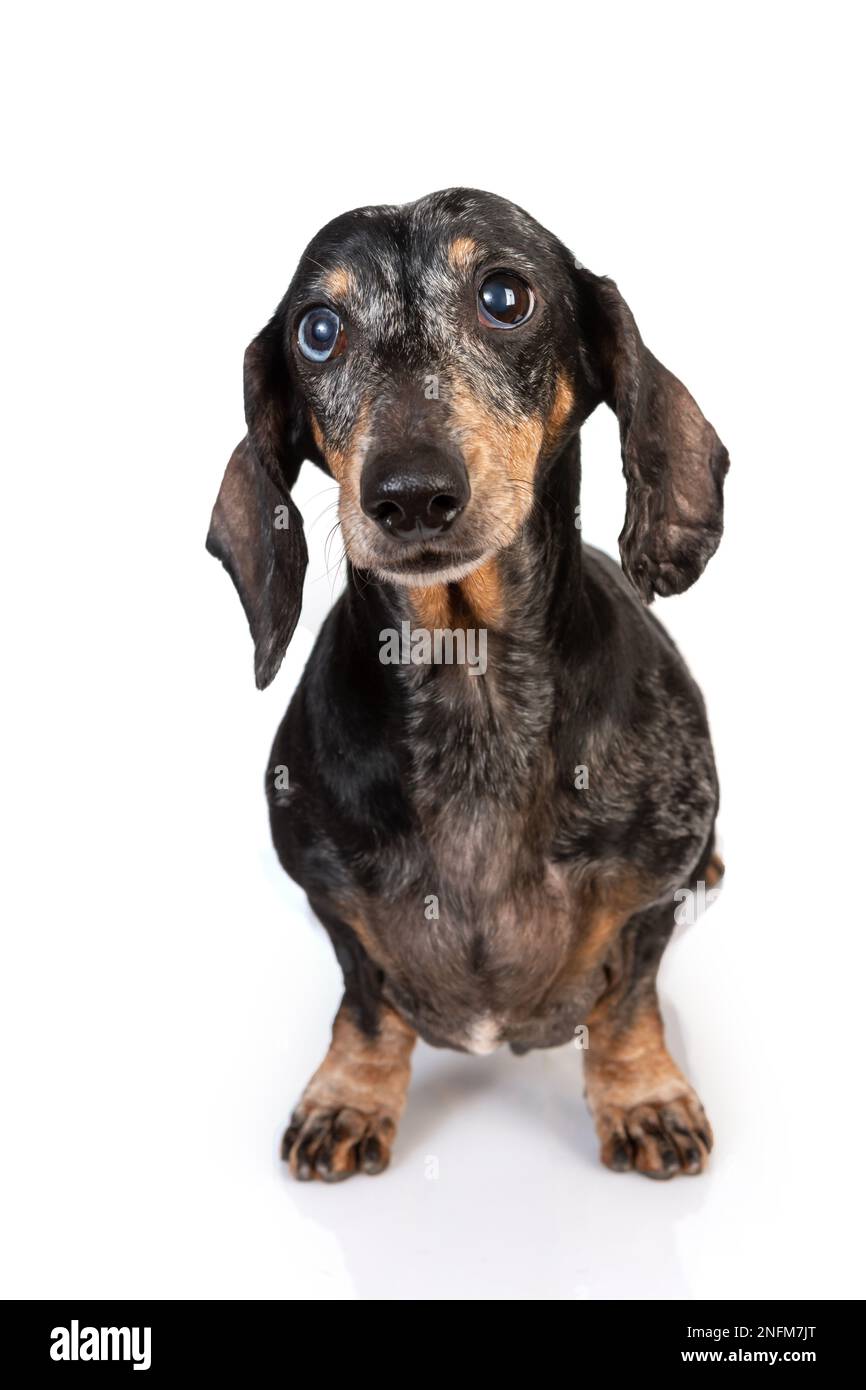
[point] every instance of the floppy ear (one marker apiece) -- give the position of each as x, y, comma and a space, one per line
673, 460
256, 530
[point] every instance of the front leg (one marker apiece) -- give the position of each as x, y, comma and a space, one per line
347, 1118
646, 1114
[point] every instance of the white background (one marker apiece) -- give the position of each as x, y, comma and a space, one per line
165, 992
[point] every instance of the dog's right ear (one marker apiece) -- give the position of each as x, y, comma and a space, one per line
256, 530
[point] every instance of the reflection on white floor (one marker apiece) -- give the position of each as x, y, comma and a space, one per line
496, 1192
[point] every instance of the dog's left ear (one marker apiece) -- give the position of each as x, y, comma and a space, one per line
673, 460
256, 530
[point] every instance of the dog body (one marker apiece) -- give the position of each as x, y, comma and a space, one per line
462, 790
495, 857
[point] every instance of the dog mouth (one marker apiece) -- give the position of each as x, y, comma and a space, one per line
429, 565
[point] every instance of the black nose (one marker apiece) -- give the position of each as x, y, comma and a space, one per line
414, 494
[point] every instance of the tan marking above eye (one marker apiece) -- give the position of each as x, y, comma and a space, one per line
339, 283
462, 253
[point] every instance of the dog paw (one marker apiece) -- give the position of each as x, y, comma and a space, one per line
657, 1139
334, 1144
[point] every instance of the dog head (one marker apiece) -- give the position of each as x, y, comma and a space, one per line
434, 358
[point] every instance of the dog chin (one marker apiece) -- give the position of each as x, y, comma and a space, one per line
422, 579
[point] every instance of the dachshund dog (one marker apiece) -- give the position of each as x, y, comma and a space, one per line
496, 856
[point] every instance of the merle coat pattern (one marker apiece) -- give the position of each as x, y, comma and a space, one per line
418, 785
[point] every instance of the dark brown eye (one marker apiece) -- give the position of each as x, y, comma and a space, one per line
504, 301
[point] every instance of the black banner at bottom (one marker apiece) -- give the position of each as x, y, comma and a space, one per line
169, 1339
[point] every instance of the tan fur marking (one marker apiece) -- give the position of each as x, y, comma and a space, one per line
339, 283
482, 591
340, 460
498, 451
475, 601
353, 1102
563, 404
317, 435
646, 1114
629, 1067
431, 607
462, 252
606, 909
360, 929
367, 1074
714, 872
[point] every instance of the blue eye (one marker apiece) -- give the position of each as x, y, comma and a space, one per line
320, 334
504, 301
